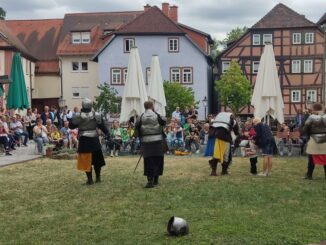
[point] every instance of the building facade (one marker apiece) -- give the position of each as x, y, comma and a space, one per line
299, 54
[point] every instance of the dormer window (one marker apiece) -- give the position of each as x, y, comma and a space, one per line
128, 44
80, 37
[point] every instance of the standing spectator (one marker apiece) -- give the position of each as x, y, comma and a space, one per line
40, 135
36, 113
285, 141
315, 128
203, 134
17, 128
56, 115
299, 119
186, 113
30, 122
47, 114
66, 114
193, 113
176, 113
265, 141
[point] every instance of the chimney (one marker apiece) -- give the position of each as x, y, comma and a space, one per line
147, 7
165, 9
173, 13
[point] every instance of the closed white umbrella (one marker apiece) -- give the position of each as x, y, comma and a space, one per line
267, 97
134, 94
156, 89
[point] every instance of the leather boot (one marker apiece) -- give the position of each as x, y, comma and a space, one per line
89, 178
213, 164
225, 166
155, 180
150, 182
98, 175
253, 165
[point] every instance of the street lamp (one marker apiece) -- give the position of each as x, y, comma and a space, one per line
204, 101
61, 102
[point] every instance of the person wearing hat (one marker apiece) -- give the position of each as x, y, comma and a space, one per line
315, 128
89, 147
225, 129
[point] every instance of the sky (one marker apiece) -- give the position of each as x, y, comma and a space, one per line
215, 17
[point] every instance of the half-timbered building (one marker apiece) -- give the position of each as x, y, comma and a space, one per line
298, 48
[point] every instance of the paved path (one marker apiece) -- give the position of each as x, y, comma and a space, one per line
21, 154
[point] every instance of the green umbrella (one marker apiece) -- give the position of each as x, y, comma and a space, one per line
2, 91
17, 94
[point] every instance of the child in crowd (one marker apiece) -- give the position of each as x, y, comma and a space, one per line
125, 138
251, 152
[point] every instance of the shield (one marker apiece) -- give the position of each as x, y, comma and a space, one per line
134, 94
267, 96
156, 91
17, 93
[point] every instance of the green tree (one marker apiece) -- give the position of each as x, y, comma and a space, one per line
177, 95
2, 14
107, 101
234, 88
231, 36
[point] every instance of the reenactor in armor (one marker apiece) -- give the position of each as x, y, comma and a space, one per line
89, 148
149, 127
225, 130
315, 128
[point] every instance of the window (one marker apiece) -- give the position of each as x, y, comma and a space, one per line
116, 76
296, 66
125, 73
255, 66
84, 66
267, 38
187, 75
173, 45
148, 75
175, 74
80, 92
256, 39
128, 44
311, 96
295, 96
309, 37
225, 66
76, 37
79, 66
307, 66
85, 37
75, 66
296, 38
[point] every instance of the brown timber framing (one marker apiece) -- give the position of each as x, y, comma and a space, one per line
245, 52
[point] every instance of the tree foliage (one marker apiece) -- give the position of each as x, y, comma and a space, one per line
231, 36
2, 14
108, 101
177, 95
234, 88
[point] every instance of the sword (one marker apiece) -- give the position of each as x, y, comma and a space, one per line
138, 162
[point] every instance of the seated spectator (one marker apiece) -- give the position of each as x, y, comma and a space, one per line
193, 113
284, 141
4, 140
30, 122
49, 126
55, 137
116, 140
169, 136
73, 136
178, 139
11, 137
134, 141
40, 135
64, 131
125, 138
192, 138
17, 128
203, 134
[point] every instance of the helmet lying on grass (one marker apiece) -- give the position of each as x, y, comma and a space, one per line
177, 226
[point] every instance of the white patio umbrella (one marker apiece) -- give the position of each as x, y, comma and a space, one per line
156, 90
267, 97
134, 94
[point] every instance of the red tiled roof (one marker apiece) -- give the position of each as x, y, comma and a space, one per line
282, 16
152, 21
48, 66
12, 41
39, 36
96, 23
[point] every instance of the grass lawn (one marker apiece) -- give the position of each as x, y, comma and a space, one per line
44, 202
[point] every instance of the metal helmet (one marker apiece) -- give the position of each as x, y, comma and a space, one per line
87, 104
177, 226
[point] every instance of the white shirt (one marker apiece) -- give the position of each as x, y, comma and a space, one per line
176, 114
16, 124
